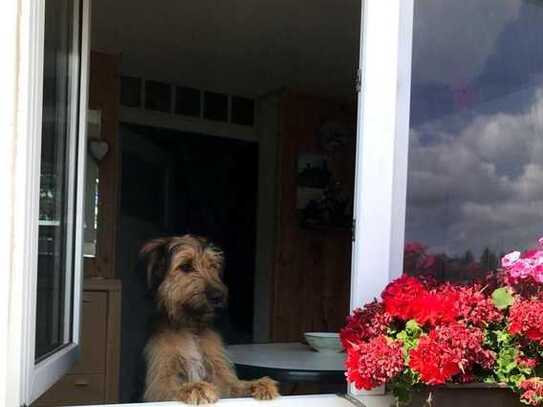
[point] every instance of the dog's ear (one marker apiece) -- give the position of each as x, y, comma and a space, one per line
155, 254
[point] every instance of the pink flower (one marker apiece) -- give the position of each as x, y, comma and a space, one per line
537, 273
510, 258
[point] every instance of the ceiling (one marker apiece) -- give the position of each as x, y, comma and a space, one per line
245, 47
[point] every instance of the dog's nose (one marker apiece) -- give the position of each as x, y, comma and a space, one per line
215, 297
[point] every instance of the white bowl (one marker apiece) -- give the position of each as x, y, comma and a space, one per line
326, 342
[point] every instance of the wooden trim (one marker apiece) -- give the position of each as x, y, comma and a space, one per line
142, 117
104, 94
113, 345
100, 284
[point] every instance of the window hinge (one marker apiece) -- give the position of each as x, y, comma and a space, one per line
358, 84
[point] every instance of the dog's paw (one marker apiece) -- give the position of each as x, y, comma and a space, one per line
264, 389
197, 393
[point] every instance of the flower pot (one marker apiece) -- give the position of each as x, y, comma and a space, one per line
477, 395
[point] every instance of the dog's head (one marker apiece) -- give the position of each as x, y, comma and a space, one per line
185, 275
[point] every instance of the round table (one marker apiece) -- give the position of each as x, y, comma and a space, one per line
287, 362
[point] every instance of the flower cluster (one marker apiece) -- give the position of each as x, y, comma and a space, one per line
364, 324
526, 319
371, 364
426, 332
532, 391
524, 267
475, 307
448, 351
401, 295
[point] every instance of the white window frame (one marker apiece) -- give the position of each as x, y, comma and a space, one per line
380, 182
381, 152
25, 380
382, 146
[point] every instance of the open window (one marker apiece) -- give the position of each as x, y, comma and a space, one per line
324, 130
51, 292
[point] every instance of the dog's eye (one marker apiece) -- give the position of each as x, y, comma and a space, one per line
187, 268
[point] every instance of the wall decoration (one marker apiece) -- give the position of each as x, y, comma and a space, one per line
321, 199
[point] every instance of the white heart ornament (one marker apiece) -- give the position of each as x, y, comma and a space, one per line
98, 149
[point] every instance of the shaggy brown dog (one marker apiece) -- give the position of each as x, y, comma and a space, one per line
185, 357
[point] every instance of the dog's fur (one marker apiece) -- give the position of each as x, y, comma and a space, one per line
185, 357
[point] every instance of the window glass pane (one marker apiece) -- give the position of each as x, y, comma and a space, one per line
475, 179
54, 220
158, 96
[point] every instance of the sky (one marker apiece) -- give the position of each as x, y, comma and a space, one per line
475, 177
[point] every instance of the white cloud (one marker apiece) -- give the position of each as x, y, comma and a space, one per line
482, 186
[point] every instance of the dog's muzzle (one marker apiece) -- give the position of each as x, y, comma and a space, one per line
216, 298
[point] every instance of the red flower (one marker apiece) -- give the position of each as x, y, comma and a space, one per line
532, 391
434, 307
526, 362
526, 318
433, 361
448, 351
400, 295
365, 324
475, 307
371, 364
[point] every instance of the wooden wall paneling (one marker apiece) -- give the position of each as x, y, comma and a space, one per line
113, 345
94, 379
104, 93
311, 267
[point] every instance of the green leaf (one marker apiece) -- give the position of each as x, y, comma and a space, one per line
502, 298
413, 326
410, 336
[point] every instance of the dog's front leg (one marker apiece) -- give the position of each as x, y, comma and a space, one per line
261, 389
197, 393
224, 375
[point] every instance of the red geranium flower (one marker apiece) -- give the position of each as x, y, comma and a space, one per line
532, 391
433, 307
400, 295
433, 361
526, 318
475, 307
365, 324
449, 350
525, 361
373, 363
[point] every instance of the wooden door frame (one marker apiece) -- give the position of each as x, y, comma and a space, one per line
104, 95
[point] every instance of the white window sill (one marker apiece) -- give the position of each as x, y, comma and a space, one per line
319, 400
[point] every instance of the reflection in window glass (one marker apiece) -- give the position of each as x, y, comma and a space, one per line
475, 179
55, 223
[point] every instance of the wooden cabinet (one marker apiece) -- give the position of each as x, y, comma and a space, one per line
95, 378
